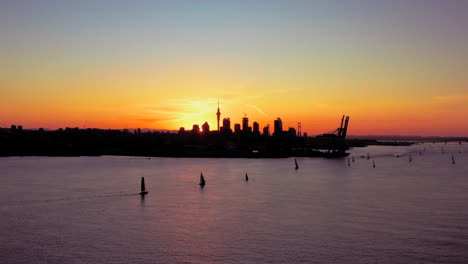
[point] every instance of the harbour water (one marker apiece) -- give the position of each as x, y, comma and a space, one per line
87, 209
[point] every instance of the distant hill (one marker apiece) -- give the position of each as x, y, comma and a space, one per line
407, 138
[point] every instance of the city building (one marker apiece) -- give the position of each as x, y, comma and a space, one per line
196, 128
266, 130
256, 128
237, 128
278, 127
226, 125
245, 124
206, 128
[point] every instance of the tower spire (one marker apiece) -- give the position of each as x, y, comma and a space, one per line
218, 114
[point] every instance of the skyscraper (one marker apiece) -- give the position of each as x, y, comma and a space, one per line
206, 128
226, 125
278, 129
237, 128
256, 128
266, 130
245, 124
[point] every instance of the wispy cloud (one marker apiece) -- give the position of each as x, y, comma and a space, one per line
452, 98
258, 109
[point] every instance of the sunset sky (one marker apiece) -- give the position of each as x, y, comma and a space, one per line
395, 67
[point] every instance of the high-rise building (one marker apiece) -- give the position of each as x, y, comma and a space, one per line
256, 128
266, 130
292, 131
237, 128
278, 126
245, 124
218, 115
226, 125
196, 128
206, 128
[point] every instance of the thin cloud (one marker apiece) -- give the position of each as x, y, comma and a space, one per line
452, 98
258, 109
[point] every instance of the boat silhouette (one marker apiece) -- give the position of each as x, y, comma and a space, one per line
202, 180
297, 166
246, 177
143, 190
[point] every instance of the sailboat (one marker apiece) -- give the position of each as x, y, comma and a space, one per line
453, 160
353, 158
246, 177
297, 166
373, 163
143, 190
410, 158
202, 180
368, 157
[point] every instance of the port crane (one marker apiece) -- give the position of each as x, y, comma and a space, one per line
339, 132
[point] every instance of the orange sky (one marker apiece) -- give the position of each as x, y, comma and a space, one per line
394, 69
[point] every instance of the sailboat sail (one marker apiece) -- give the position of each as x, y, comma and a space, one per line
143, 189
142, 184
297, 166
202, 180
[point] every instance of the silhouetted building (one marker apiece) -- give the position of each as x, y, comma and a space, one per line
304, 134
206, 128
181, 130
292, 131
196, 128
226, 125
266, 130
13, 128
245, 124
218, 114
237, 128
278, 127
256, 128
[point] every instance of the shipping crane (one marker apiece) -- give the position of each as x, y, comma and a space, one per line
339, 132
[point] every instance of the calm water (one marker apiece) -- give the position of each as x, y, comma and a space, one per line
86, 210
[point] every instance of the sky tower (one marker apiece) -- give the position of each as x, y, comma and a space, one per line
218, 114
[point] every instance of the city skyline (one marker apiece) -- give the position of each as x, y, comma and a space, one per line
397, 68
